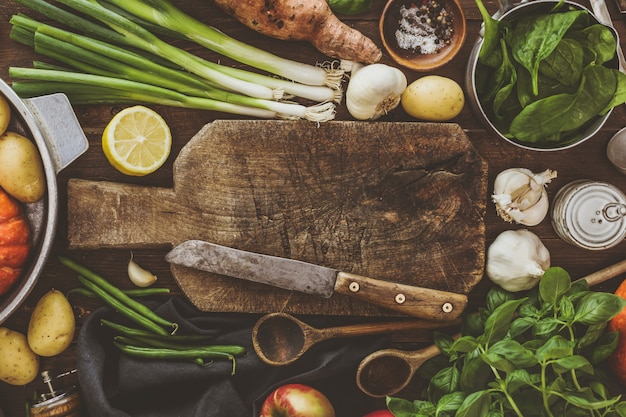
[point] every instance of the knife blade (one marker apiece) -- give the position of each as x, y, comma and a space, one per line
317, 280
602, 14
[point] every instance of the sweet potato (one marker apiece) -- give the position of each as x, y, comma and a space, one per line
304, 20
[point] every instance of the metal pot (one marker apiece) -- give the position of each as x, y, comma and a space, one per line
52, 125
510, 12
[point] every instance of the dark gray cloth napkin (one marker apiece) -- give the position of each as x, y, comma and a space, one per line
116, 385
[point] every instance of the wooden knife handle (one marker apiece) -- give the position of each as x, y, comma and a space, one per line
419, 302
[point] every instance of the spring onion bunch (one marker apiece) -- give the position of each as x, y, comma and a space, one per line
163, 13
125, 63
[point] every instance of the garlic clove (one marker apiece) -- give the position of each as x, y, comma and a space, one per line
520, 195
138, 275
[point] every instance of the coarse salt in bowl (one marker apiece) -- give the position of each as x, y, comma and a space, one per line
422, 35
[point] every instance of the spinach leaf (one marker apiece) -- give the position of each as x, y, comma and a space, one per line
489, 53
599, 39
565, 63
547, 119
620, 94
534, 37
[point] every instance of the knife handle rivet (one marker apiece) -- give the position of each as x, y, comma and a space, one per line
400, 298
447, 307
354, 286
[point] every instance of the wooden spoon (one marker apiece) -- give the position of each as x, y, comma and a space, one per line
388, 371
280, 339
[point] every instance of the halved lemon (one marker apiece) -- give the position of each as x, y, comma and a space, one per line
137, 141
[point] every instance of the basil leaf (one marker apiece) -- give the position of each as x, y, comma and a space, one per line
605, 347
521, 326
514, 352
569, 363
566, 309
444, 382
449, 403
581, 401
475, 404
598, 307
545, 327
465, 344
554, 283
499, 322
403, 408
593, 333
521, 378
554, 348
474, 374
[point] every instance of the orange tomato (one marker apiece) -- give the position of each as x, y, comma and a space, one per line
14, 241
618, 323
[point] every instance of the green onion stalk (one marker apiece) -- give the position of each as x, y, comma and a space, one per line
82, 88
143, 39
99, 58
125, 32
164, 14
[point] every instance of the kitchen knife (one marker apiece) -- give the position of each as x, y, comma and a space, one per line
313, 279
602, 14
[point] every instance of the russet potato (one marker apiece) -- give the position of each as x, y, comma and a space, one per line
19, 365
21, 169
52, 324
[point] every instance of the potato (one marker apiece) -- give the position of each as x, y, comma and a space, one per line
52, 324
5, 114
21, 169
19, 365
433, 98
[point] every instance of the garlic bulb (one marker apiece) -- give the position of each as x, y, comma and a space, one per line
139, 276
520, 195
516, 260
374, 90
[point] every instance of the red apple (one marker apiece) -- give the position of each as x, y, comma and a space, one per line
379, 413
296, 400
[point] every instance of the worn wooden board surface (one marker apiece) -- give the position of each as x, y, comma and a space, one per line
393, 200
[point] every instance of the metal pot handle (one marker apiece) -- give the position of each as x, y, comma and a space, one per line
64, 136
505, 6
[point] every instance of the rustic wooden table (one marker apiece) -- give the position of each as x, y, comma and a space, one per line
585, 161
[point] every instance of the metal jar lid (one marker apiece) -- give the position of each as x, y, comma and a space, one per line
590, 214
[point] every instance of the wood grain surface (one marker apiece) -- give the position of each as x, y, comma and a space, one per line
404, 202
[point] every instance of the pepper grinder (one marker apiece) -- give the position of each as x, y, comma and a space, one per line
56, 403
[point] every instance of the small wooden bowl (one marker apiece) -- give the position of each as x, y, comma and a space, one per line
413, 60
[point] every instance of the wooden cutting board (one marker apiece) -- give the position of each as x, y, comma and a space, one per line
392, 200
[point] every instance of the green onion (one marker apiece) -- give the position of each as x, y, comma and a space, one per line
143, 39
84, 88
103, 56
165, 14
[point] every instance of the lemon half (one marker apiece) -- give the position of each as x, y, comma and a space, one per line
137, 141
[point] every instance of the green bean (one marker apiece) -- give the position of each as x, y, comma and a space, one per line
139, 292
116, 292
123, 309
147, 341
209, 352
132, 332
